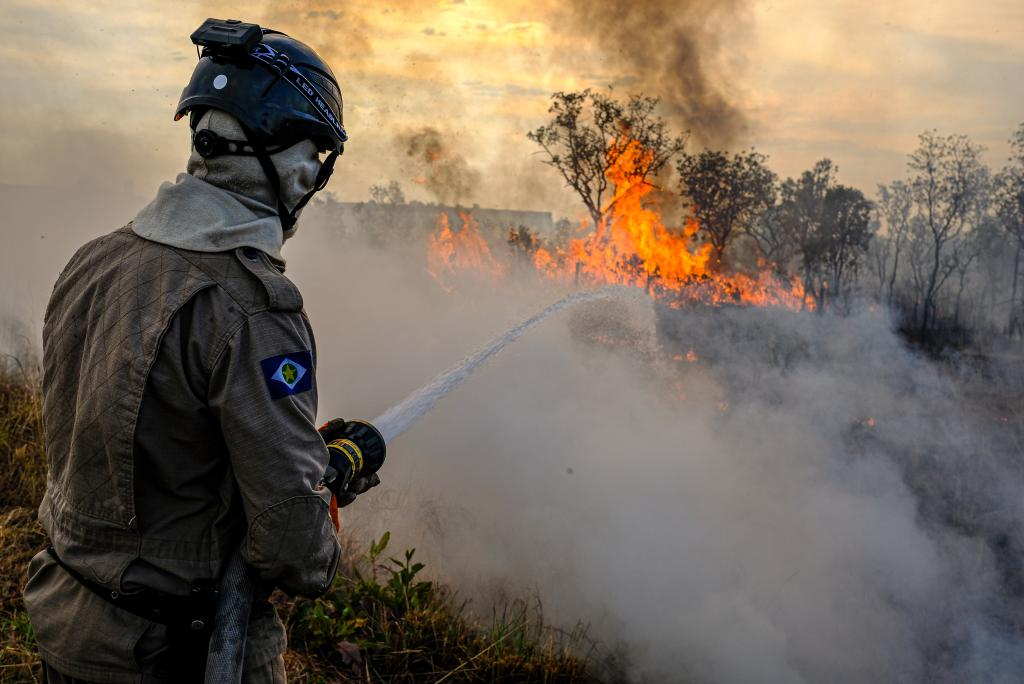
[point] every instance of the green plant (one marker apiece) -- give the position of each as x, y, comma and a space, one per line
381, 621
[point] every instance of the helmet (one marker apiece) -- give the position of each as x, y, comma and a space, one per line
278, 88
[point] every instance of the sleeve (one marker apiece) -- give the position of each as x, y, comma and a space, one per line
263, 391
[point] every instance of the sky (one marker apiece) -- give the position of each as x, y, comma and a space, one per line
90, 87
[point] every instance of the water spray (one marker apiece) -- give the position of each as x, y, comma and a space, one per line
401, 416
227, 642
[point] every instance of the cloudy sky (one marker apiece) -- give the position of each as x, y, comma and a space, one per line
90, 87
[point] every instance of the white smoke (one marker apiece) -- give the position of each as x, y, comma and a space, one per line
808, 501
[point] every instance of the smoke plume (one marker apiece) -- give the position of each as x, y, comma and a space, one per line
670, 48
441, 170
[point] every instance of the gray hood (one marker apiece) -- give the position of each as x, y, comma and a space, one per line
227, 202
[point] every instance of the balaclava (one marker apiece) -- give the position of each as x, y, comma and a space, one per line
296, 166
226, 201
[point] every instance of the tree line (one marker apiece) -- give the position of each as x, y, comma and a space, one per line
942, 246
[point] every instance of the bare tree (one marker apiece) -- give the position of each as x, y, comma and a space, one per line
726, 193
946, 176
895, 204
387, 194
964, 251
589, 133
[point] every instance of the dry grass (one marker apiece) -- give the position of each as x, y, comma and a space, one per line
22, 455
22, 478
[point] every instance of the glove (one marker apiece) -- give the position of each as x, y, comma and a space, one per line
357, 487
357, 452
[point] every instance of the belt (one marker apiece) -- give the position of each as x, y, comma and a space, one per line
194, 612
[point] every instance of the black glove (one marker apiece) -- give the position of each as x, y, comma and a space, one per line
357, 487
357, 452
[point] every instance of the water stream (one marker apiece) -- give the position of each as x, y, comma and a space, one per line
401, 416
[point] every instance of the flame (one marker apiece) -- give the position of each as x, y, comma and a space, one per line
450, 251
632, 246
691, 356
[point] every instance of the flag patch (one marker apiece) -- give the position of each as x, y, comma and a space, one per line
288, 374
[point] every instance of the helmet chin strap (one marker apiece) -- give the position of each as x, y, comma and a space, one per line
288, 218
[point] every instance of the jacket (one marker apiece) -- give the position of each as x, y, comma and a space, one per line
179, 400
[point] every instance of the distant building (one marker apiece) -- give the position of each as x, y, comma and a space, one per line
416, 220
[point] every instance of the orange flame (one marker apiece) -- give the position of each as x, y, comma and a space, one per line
632, 246
450, 251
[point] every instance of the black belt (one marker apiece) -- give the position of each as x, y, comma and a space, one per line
194, 612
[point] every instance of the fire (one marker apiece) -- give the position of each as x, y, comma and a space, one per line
451, 251
632, 246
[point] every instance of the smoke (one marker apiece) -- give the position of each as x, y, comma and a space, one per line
442, 171
670, 50
75, 184
806, 501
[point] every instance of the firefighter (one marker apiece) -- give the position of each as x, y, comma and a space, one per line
180, 393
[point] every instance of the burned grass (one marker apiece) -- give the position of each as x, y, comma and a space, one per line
379, 622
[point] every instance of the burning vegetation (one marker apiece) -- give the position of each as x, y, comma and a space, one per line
941, 249
452, 251
630, 246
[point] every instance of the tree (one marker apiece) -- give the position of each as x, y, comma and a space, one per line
726, 194
1009, 207
946, 178
387, 194
841, 243
894, 202
589, 133
772, 238
826, 227
798, 219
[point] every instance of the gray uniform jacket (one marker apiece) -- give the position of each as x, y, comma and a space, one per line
179, 400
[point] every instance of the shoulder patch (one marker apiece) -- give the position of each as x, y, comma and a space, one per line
288, 374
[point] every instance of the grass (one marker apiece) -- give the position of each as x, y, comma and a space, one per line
22, 478
380, 621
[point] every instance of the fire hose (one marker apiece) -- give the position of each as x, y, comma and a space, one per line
226, 654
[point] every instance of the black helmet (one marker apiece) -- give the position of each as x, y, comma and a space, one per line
278, 88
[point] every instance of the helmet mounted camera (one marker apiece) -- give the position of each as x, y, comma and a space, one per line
280, 91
